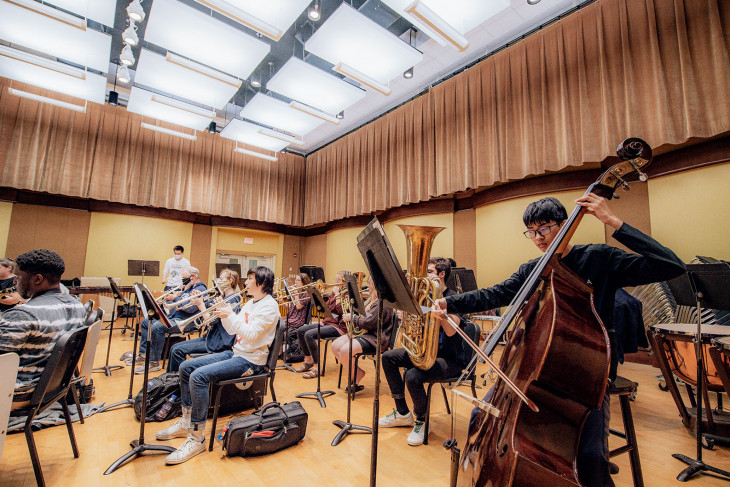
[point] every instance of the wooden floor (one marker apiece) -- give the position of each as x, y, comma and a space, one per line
105, 437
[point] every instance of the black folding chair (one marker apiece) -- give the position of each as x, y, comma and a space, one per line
268, 373
52, 387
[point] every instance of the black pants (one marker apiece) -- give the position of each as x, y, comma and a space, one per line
414, 378
307, 335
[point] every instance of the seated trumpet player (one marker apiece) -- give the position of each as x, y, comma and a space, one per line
364, 339
254, 328
217, 339
297, 316
329, 328
450, 360
191, 281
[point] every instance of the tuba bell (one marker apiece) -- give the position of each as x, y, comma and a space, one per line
419, 335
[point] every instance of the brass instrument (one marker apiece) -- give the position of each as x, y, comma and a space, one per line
7, 291
419, 336
159, 299
176, 304
352, 329
182, 324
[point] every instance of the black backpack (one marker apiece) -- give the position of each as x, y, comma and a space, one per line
159, 390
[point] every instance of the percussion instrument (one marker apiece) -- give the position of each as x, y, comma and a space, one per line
720, 355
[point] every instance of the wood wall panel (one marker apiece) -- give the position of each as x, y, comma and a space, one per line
314, 250
292, 255
62, 230
200, 250
465, 243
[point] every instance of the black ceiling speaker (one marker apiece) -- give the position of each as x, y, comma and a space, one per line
113, 98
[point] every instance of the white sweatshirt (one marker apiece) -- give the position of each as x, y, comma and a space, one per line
254, 328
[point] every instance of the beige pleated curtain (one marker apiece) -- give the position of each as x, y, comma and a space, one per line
563, 97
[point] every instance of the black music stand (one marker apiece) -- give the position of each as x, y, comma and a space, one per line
286, 365
143, 268
151, 310
703, 285
357, 307
118, 295
394, 292
322, 309
315, 272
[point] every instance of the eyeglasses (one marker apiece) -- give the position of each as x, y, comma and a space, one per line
542, 231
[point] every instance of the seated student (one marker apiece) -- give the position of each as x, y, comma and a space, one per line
296, 317
7, 282
329, 328
450, 360
31, 329
191, 281
607, 268
367, 342
254, 327
217, 339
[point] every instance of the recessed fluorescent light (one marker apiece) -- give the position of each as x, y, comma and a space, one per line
242, 17
168, 109
168, 131
45, 99
204, 70
281, 136
51, 12
438, 25
102, 11
255, 154
361, 77
42, 62
313, 111
272, 112
170, 102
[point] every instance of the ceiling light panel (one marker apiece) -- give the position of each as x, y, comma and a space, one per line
248, 133
234, 52
101, 11
275, 113
303, 82
271, 17
186, 79
461, 15
351, 38
51, 31
44, 73
152, 105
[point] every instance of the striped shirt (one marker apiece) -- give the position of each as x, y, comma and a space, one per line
32, 329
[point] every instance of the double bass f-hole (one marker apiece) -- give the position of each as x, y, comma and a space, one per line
502, 446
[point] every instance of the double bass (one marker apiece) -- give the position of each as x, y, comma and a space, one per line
558, 356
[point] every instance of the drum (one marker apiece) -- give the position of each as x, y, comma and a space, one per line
674, 348
720, 355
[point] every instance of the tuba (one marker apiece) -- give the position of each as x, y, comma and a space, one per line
420, 335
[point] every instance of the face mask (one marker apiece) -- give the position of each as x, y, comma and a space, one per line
186, 281
178, 256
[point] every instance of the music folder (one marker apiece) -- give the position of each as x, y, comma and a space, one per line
150, 309
356, 303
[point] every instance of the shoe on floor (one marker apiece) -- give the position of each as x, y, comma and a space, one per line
417, 434
191, 447
178, 429
356, 388
312, 374
128, 359
154, 367
396, 419
304, 367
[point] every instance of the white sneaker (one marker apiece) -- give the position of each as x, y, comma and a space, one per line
178, 429
396, 419
187, 450
154, 367
416, 436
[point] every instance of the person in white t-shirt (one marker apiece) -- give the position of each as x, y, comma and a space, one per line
172, 273
254, 328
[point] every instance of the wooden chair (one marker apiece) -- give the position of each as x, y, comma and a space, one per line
268, 373
625, 389
53, 387
87, 360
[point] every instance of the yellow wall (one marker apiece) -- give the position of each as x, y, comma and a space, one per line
230, 240
6, 209
501, 247
342, 253
115, 239
690, 212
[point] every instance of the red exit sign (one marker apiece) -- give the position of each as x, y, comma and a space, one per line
248, 240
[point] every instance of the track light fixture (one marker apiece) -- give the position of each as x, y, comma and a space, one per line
113, 98
135, 11
211, 128
127, 56
130, 34
314, 14
341, 115
123, 74
408, 73
533, 2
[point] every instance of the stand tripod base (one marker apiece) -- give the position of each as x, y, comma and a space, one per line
287, 367
136, 451
107, 369
346, 429
124, 402
319, 395
696, 466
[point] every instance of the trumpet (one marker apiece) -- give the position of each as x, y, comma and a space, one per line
168, 292
182, 324
176, 304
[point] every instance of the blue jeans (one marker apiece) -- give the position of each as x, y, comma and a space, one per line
157, 341
197, 373
180, 351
